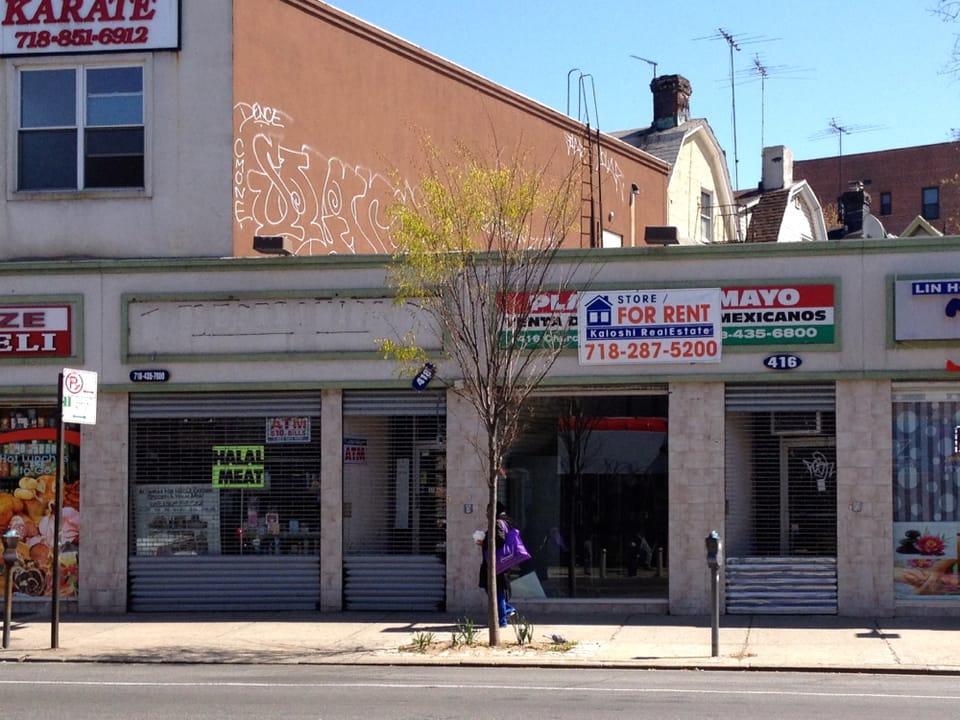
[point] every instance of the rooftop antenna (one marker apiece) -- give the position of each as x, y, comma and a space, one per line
733, 101
835, 127
761, 71
648, 62
734, 43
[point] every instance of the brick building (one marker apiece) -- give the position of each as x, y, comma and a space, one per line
902, 184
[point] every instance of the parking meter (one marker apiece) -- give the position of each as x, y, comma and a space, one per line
714, 550
714, 560
11, 538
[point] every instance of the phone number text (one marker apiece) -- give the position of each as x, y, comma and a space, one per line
83, 37
677, 350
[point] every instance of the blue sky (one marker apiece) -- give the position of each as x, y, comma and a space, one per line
876, 69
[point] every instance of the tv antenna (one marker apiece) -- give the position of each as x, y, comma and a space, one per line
835, 127
761, 71
648, 62
734, 43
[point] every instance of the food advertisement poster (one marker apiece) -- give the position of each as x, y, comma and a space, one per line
28, 477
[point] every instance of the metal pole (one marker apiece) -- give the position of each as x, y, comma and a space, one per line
58, 501
8, 600
715, 619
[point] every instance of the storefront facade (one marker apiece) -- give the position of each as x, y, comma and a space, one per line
253, 450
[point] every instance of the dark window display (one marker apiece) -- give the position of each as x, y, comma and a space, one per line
587, 487
225, 486
28, 474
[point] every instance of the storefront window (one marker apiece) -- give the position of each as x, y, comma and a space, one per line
225, 485
587, 486
926, 512
28, 472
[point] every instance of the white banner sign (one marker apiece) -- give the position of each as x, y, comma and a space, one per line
927, 309
47, 27
649, 326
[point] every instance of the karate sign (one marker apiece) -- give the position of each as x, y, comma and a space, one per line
649, 326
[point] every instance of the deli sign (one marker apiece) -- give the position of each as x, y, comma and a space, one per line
35, 331
49, 27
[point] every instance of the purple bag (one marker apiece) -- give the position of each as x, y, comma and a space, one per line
512, 552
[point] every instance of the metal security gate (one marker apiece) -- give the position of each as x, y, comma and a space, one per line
781, 499
224, 501
394, 501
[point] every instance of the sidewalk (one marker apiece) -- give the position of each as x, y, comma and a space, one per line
818, 643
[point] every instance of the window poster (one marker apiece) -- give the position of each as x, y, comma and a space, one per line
177, 519
28, 465
926, 498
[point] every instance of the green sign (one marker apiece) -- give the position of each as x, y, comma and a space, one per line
238, 466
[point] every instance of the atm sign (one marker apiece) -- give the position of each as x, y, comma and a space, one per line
35, 331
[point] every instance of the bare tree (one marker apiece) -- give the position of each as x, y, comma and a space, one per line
478, 251
949, 11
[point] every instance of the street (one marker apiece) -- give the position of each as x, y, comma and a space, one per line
84, 691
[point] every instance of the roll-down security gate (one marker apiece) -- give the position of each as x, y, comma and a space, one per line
224, 501
781, 499
394, 501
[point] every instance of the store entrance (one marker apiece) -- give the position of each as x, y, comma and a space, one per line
808, 514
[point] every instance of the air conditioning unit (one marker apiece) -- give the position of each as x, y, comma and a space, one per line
795, 423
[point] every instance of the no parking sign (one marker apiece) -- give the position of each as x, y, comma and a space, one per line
79, 390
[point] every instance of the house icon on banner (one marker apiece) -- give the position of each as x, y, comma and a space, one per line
599, 312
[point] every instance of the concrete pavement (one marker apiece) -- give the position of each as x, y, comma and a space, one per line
818, 643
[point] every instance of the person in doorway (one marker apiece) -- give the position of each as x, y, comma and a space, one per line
504, 609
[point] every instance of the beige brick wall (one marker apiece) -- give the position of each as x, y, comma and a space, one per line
466, 485
331, 505
696, 457
864, 498
104, 507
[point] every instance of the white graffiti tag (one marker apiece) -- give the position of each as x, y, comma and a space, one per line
821, 469
275, 190
607, 162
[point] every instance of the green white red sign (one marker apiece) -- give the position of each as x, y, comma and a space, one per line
778, 315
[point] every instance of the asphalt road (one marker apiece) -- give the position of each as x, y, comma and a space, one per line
84, 691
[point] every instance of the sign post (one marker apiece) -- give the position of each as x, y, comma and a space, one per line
77, 403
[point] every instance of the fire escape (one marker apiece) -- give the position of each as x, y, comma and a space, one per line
588, 148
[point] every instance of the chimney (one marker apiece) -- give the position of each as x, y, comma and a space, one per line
854, 204
777, 171
671, 101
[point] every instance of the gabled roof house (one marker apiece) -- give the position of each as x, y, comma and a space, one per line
700, 202
781, 209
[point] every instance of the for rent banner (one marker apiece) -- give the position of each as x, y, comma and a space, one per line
649, 326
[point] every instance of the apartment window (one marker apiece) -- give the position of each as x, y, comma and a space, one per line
81, 128
931, 203
706, 216
886, 203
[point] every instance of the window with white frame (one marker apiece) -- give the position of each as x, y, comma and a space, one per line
706, 216
81, 128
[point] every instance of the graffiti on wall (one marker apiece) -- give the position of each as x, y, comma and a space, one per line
606, 162
320, 204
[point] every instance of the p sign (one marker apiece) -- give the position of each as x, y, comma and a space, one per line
78, 389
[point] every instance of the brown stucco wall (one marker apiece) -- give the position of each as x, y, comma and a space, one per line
329, 116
